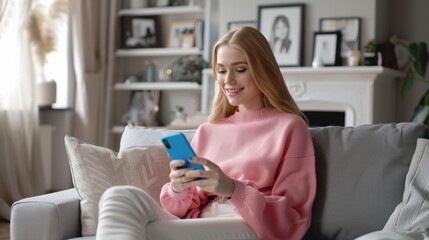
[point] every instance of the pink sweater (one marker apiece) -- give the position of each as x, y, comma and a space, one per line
270, 156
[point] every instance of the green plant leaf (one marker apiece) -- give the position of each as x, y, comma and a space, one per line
419, 56
421, 111
408, 83
421, 114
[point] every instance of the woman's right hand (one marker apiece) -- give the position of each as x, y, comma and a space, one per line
178, 180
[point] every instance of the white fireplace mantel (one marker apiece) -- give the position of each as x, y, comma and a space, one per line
366, 94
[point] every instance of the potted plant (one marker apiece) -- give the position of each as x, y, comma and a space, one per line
370, 57
188, 68
416, 69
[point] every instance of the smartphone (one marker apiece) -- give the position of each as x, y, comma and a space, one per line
178, 147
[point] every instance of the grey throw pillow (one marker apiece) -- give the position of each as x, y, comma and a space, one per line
410, 220
360, 176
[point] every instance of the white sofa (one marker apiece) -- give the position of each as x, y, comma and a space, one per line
361, 174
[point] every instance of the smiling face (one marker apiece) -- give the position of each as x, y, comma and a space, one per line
280, 29
236, 81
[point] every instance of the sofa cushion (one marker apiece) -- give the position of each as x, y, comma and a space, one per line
360, 176
95, 169
410, 220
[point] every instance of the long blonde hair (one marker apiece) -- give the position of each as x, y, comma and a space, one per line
264, 69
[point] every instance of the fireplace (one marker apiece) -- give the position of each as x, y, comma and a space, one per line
364, 95
325, 118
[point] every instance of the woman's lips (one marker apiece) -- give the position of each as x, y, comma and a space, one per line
233, 91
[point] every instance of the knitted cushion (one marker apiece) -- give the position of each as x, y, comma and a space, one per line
95, 169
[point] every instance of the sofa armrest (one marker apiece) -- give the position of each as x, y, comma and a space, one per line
53, 216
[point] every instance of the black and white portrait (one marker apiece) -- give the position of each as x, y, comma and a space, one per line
327, 47
138, 32
283, 25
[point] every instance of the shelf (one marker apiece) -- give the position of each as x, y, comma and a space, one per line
162, 86
161, 11
145, 52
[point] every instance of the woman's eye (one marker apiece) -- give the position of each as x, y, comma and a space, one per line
221, 71
241, 70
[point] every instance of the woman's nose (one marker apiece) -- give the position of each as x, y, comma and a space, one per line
229, 78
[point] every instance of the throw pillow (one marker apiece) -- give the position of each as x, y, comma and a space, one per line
94, 169
412, 214
140, 136
360, 176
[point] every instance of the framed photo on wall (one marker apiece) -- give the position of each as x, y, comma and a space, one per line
350, 31
327, 47
238, 24
283, 26
139, 32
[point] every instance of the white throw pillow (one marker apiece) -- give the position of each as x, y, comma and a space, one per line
412, 214
94, 169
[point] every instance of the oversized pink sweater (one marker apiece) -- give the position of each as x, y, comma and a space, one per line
270, 156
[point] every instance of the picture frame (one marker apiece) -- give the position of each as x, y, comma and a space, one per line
238, 24
178, 2
182, 34
139, 32
162, 3
283, 26
327, 47
350, 28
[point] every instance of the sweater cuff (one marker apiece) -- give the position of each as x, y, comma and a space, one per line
179, 195
239, 193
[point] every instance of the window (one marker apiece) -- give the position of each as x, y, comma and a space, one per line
57, 65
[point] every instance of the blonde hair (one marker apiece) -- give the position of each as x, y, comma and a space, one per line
264, 69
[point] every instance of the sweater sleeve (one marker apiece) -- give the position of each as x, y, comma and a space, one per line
285, 213
184, 204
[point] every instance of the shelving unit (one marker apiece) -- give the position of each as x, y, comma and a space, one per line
131, 61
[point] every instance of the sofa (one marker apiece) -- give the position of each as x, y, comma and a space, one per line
370, 179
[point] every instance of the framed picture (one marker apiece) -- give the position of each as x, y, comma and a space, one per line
181, 34
139, 32
238, 24
178, 2
350, 31
283, 26
327, 48
162, 3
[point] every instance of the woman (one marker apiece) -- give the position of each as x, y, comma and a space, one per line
258, 156
280, 41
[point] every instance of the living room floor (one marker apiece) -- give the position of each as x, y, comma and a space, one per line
4, 230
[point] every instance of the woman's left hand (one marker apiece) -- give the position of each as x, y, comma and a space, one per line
215, 180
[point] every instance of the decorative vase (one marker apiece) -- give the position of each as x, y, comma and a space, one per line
46, 93
317, 62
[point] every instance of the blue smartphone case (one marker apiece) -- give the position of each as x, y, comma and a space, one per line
178, 147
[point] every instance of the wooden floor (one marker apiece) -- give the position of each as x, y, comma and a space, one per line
4, 230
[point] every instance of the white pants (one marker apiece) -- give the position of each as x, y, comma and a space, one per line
129, 213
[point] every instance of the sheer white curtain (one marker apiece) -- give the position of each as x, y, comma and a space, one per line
21, 172
90, 31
